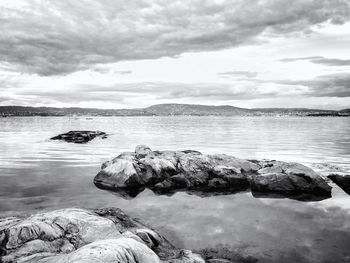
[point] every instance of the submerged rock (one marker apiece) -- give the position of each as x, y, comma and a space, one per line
78, 235
170, 171
79, 136
343, 181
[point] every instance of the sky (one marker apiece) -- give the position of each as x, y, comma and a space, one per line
136, 53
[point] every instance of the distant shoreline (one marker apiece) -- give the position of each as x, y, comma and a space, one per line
150, 116
170, 110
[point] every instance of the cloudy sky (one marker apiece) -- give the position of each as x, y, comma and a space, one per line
135, 53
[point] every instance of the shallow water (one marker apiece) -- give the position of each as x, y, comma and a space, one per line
38, 174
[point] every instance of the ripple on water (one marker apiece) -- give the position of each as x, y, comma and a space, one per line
38, 174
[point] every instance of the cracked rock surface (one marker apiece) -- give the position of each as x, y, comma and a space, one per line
78, 235
166, 172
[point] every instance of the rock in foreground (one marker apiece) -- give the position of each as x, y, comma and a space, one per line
343, 181
170, 171
80, 136
78, 235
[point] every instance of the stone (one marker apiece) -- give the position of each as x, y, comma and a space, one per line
289, 179
79, 136
232, 176
272, 182
218, 260
125, 250
142, 150
217, 183
79, 235
343, 181
166, 172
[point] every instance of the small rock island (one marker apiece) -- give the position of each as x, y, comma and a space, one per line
166, 172
80, 136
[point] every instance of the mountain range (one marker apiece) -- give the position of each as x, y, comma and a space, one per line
168, 110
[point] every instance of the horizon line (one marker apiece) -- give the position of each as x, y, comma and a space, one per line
187, 104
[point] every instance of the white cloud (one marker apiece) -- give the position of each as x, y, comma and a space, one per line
136, 53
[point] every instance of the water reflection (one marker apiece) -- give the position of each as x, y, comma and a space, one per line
37, 174
130, 193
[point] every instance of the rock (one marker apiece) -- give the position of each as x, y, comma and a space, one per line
218, 260
78, 235
186, 256
125, 250
232, 176
272, 182
343, 181
226, 254
80, 136
169, 171
151, 238
289, 178
142, 151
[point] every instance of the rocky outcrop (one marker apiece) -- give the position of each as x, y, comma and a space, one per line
80, 136
169, 171
78, 235
342, 180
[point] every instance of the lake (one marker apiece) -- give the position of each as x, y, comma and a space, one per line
37, 174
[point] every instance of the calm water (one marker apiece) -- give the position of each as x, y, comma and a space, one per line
37, 174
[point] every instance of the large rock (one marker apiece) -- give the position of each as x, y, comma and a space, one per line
342, 180
289, 179
170, 171
80, 136
78, 235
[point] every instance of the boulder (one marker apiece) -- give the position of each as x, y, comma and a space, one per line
78, 235
289, 179
170, 171
343, 181
79, 136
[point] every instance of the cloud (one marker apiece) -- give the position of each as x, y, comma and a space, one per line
239, 90
104, 70
247, 74
328, 91
61, 37
144, 93
321, 60
123, 72
334, 85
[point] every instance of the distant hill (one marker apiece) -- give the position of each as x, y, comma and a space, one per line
286, 110
191, 109
295, 112
50, 111
168, 110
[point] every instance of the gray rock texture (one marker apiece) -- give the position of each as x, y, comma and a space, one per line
79, 136
77, 235
342, 180
166, 172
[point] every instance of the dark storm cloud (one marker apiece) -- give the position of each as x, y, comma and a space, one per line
335, 85
60, 37
321, 60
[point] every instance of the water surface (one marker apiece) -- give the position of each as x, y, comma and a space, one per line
38, 174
